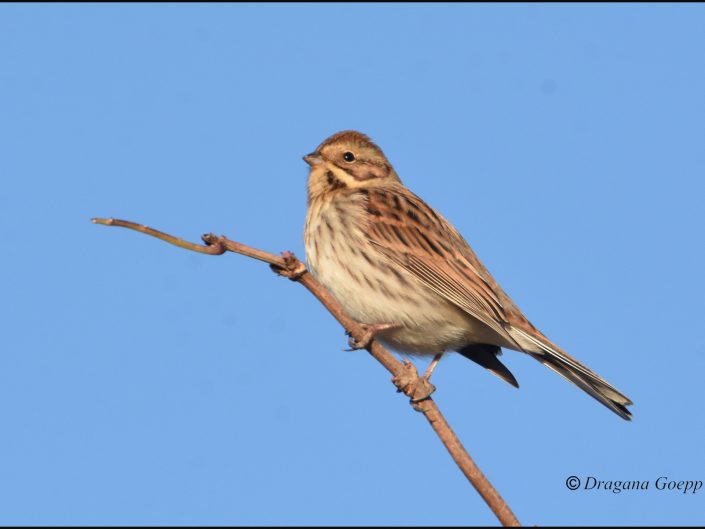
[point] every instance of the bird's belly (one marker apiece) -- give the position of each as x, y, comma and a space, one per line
372, 292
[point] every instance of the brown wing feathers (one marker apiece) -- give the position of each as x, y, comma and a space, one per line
415, 237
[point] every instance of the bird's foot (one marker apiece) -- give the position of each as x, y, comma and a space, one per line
369, 333
292, 269
412, 385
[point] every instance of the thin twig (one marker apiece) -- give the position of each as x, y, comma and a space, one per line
289, 266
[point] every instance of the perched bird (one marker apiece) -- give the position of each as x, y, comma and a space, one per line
392, 261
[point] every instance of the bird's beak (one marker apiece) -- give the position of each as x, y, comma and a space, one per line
313, 159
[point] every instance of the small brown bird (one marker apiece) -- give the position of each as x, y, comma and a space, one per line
394, 263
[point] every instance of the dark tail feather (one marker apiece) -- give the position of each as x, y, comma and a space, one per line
486, 355
591, 384
556, 359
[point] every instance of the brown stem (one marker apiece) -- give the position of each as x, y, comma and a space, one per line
289, 266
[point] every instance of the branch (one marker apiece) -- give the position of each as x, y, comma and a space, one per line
405, 375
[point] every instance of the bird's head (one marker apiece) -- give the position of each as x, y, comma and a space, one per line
348, 159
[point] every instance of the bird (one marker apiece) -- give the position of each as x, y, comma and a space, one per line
396, 265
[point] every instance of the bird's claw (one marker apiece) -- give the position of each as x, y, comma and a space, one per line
412, 385
292, 269
369, 333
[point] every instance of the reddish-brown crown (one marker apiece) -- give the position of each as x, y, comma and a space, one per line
350, 136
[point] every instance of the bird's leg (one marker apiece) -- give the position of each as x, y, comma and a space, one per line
411, 384
423, 388
432, 366
370, 331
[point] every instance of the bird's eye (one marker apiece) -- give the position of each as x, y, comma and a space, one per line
348, 157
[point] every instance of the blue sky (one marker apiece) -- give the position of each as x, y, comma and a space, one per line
140, 383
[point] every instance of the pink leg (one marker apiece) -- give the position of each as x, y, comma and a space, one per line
432, 366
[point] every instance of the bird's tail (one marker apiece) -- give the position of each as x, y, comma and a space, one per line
569, 368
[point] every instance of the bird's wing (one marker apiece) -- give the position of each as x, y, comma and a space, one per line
413, 236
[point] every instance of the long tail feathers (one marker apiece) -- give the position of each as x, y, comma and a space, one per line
569, 368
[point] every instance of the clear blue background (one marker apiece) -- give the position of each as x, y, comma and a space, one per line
141, 383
